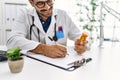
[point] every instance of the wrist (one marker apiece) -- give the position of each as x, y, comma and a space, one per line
40, 49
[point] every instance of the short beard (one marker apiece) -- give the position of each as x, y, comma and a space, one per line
44, 17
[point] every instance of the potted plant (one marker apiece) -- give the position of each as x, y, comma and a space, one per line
15, 61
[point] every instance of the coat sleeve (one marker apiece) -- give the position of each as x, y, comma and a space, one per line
17, 36
73, 31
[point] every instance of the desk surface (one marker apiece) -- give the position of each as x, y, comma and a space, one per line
104, 66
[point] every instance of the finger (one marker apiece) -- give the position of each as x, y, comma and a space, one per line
58, 51
54, 55
80, 49
62, 48
77, 42
62, 54
85, 43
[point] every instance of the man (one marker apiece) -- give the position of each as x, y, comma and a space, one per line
44, 30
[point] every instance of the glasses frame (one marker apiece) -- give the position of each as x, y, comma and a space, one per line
41, 4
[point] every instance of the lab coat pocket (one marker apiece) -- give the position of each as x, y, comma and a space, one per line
59, 34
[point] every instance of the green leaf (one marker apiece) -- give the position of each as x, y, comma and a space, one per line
13, 53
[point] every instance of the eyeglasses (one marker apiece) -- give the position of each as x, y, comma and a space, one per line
41, 4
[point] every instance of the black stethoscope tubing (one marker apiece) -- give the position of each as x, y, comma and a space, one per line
31, 27
38, 31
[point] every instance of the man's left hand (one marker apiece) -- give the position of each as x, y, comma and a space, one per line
80, 47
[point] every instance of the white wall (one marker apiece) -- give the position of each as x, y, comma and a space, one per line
8, 11
69, 6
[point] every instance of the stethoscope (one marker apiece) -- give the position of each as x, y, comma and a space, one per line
54, 38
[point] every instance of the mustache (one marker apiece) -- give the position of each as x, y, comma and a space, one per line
43, 10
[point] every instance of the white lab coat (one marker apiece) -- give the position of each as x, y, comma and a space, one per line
20, 35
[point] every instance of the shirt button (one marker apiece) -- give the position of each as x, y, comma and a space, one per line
43, 22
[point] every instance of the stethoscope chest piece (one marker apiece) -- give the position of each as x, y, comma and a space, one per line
55, 38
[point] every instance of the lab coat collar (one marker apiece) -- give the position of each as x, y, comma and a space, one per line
53, 21
37, 22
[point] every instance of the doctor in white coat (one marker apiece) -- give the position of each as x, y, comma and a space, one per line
44, 30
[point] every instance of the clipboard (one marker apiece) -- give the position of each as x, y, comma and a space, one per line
61, 63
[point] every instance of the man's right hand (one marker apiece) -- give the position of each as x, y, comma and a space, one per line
53, 51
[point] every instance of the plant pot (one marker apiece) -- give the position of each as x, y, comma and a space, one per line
16, 66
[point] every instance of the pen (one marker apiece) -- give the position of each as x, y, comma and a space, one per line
52, 39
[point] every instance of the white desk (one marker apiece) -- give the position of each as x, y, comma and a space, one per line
104, 66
